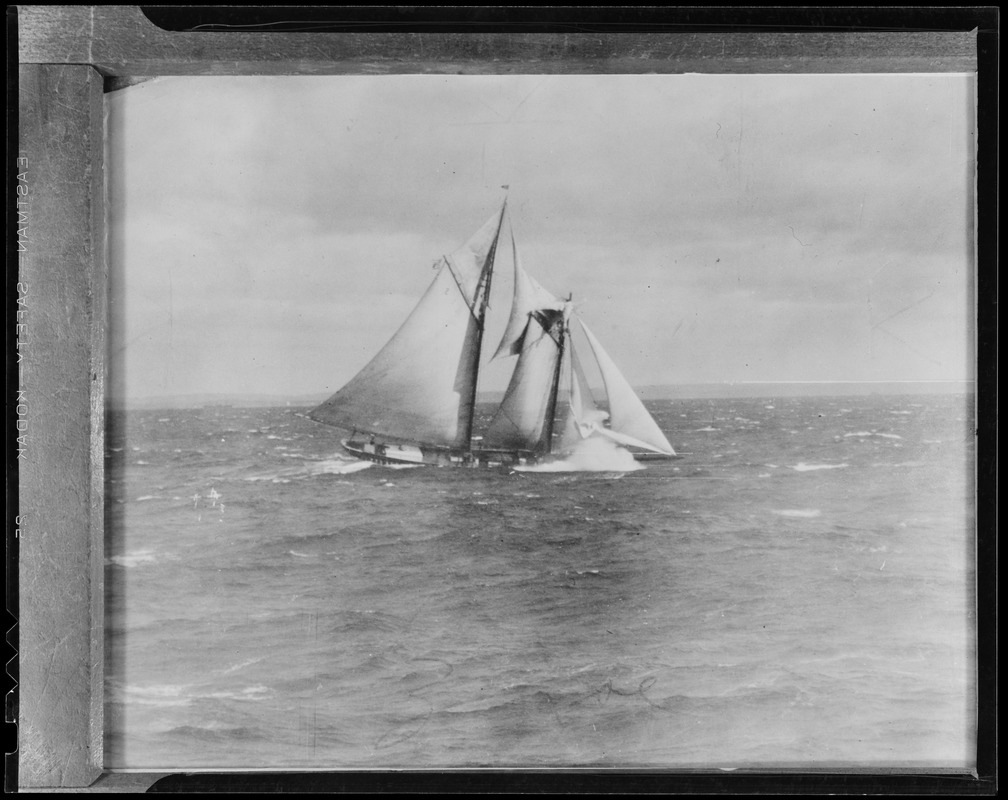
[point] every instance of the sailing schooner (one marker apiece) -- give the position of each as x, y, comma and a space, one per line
415, 401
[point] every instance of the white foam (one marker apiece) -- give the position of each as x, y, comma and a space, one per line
328, 466
161, 695
337, 466
593, 454
257, 692
134, 559
799, 513
143, 497
865, 434
241, 665
801, 466
708, 429
300, 555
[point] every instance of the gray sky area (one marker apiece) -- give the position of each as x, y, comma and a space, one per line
269, 234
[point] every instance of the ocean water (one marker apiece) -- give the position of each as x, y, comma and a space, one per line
796, 591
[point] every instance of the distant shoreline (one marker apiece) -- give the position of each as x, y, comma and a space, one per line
696, 391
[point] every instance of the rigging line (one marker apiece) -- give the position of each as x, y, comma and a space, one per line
465, 297
502, 413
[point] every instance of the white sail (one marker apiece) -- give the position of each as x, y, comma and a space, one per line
529, 296
582, 417
420, 386
521, 420
629, 420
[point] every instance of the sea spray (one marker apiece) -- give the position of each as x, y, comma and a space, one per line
594, 454
334, 465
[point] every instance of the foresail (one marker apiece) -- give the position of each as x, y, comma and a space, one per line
520, 421
420, 385
627, 416
529, 296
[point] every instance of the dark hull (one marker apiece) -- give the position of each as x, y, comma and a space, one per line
416, 456
413, 455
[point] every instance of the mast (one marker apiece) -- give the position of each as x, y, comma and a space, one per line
485, 280
555, 390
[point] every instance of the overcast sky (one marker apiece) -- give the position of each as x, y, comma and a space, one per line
269, 234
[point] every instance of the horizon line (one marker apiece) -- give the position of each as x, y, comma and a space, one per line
681, 384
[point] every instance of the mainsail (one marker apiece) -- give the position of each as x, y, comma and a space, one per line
421, 386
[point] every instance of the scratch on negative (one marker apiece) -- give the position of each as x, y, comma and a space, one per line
906, 344
797, 239
904, 309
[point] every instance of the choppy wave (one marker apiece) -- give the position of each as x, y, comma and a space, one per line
183, 694
582, 619
799, 513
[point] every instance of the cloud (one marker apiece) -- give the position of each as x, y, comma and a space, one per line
719, 227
